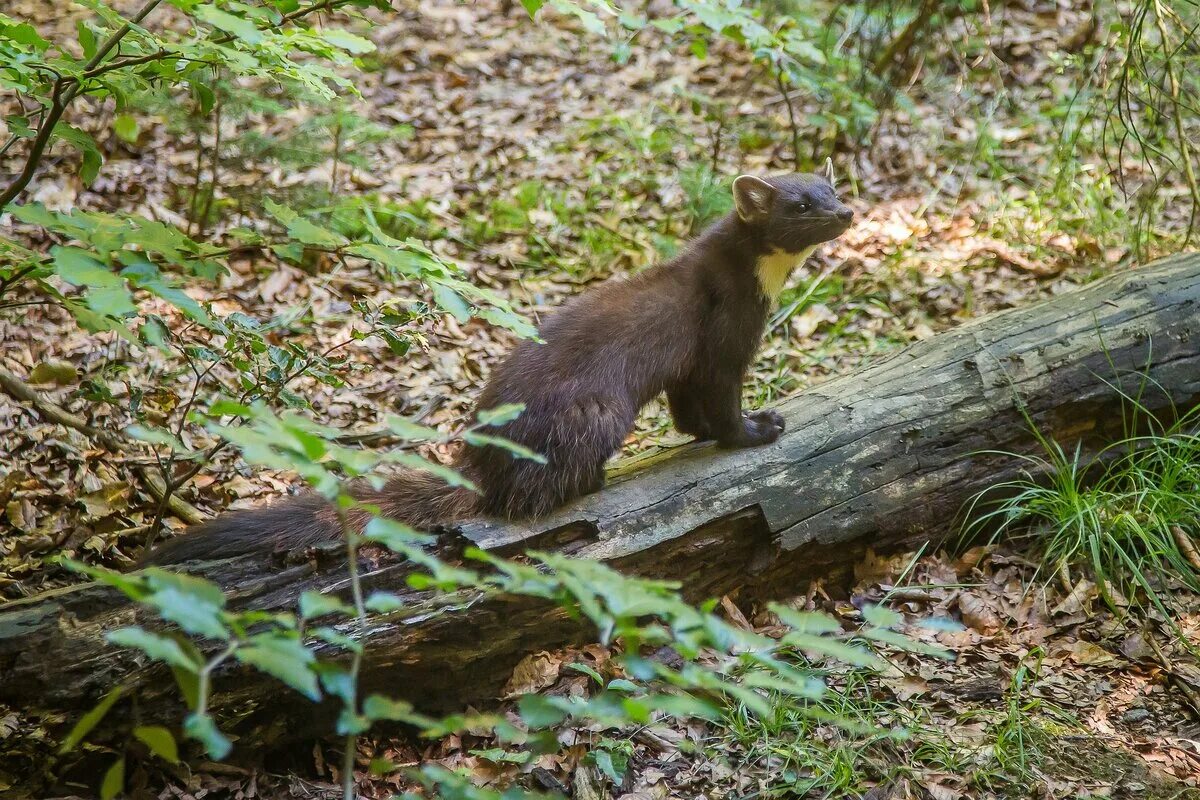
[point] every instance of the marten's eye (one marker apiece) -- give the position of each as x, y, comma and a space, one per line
802, 207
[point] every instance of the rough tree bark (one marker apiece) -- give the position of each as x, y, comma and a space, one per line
884, 458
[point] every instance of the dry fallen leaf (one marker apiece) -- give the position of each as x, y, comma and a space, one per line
735, 614
978, 614
533, 673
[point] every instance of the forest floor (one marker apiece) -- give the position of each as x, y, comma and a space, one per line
541, 164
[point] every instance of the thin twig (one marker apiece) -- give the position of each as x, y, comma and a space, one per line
360, 615
61, 97
213, 168
904, 40
110, 440
1192, 697
67, 89
1185, 153
791, 117
15, 278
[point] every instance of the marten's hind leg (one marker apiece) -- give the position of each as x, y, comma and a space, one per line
576, 441
591, 432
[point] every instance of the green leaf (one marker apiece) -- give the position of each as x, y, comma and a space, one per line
202, 728
111, 301
240, 27
156, 436
311, 233
902, 642
533, 6
145, 275
943, 624
223, 408
89, 721
448, 474
827, 645
586, 670
34, 213
159, 740
410, 431
78, 267
394, 535
449, 300
25, 34
805, 621
377, 707
604, 761
279, 211
540, 712
189, 685
205, 97
591, 23
383, 602
507, 319
204, 590
483, 440
315, 604
348, 41
86, 37
157, 647
86, 145
190, 612
350, 723
381, 766
882, 617
91, 321
398, 345
59, 373
337, 639
132, 586
498, 415
126, 127
114, 780
285, 658
498, 755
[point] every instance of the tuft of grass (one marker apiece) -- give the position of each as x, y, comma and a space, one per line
706, 196
1021, 732
837, 745
1130, 515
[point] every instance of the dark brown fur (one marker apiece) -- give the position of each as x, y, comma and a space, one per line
689, 327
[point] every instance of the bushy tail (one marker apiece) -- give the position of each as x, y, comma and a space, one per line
295, 523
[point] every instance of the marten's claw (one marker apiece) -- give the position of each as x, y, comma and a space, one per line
767, 416
755, 432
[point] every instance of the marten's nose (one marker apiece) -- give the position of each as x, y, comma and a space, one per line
846, 214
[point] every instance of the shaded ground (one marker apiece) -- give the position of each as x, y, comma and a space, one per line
541, 164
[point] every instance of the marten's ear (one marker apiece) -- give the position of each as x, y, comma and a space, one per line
753, 197
829, 170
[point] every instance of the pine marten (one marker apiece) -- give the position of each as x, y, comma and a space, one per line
689, 327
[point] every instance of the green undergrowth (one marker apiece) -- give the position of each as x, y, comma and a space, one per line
1128, 515
881, 740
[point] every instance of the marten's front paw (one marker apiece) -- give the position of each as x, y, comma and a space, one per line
755, 432
768, 417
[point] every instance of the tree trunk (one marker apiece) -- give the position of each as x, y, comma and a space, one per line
883, 458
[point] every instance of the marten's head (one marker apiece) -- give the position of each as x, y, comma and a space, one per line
787, 217
790, 213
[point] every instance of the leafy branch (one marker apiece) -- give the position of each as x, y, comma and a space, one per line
66, 90
67, 87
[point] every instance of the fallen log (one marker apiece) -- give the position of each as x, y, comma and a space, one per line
883, 458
